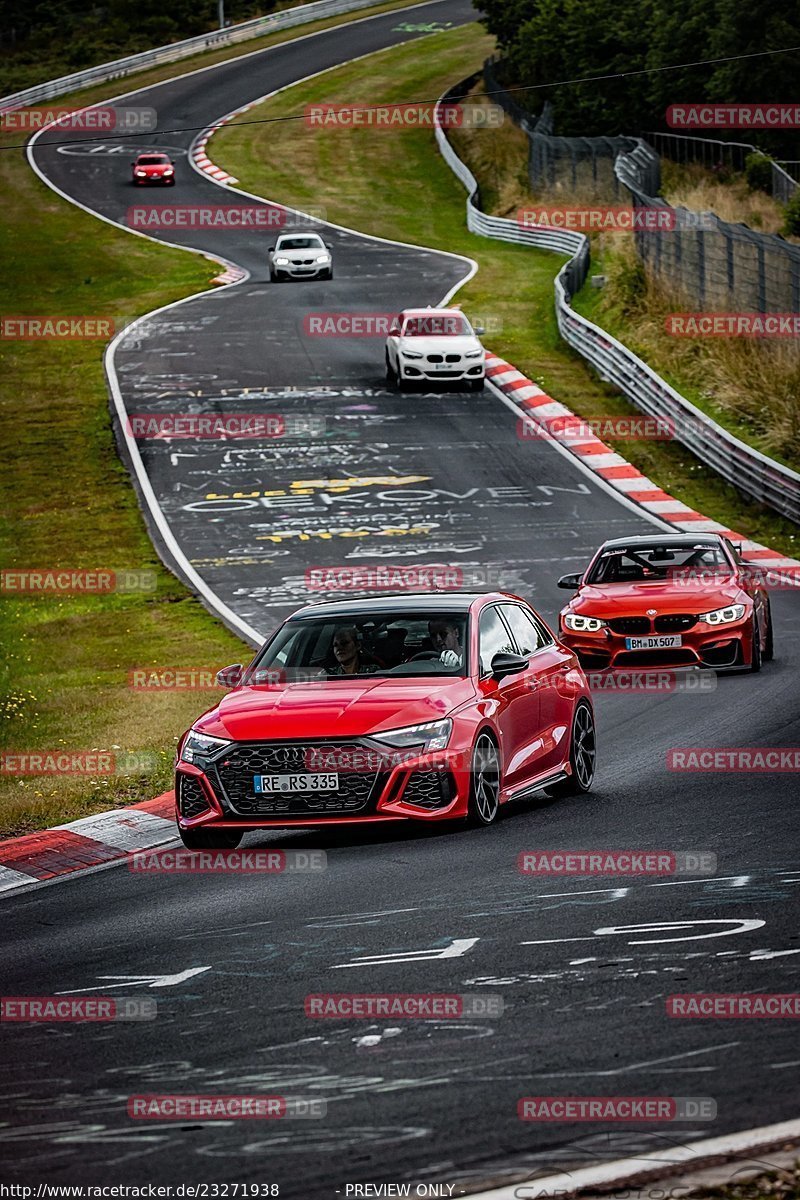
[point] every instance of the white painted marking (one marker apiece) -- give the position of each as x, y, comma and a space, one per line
641, 1066
763, 955
738, 925
153, 981
9, 878
457, 949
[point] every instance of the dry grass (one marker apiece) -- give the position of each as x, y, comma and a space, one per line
696, 188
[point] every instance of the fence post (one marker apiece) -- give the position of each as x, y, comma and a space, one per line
729, 261
701, 268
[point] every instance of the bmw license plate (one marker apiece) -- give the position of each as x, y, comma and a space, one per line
325, 782
445, 366
665, 642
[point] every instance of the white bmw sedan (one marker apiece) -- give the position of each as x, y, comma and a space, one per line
300, 256
434, 344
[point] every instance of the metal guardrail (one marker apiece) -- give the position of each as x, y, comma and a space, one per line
747, 469
242, 32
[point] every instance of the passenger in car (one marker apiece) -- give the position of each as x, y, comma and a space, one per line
350, 658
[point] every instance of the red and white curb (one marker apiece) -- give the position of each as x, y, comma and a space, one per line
572, 433
90, 842
666, 1161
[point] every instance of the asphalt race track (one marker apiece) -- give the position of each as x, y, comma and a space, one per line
583, 966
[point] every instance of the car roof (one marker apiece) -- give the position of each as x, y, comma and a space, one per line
426, 312
662, 539
390, 602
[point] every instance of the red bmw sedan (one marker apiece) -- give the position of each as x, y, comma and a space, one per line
668, 600
419, 707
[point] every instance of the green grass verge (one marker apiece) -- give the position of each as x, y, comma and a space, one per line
397, 185
68, 502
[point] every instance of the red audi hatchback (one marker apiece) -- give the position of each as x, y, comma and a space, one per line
420, 707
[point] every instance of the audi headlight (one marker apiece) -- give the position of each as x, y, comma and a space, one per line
473, 354
723, 616
411, 354
579, 624
433, 736
169, 171
281, 262
323, 258
141, 174
198, 747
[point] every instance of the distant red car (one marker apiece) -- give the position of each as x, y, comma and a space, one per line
668, 600
152, 167
419, 707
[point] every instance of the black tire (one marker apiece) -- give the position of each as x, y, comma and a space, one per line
476, 385
582, 754
484, 787
755, 657
768, 653
210, 839
329, 274
391, 374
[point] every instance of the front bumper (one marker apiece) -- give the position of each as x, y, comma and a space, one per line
303, 271
164, 179
423, 786
462, 369
720, 647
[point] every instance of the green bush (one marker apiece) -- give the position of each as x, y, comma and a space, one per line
791, 223
758, 172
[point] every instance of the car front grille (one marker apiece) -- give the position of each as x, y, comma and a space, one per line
191, 797
629, 625
673, 622
435, 358
236, 770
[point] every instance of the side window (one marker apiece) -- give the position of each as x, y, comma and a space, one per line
527, 634
493, 638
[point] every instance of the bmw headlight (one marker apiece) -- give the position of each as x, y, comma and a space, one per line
323, 258
411, 354
579, 624
198, 747
433, 736
723, 616
473, 354
281, 262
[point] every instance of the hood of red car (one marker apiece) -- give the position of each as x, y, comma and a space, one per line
669, 596
333, 708
154, 169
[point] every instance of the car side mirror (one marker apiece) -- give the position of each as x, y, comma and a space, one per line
394, 331
570, 581
270, 248
479, 329
508, 664
230, 677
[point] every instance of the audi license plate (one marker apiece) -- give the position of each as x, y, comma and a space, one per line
665, 642
327, 782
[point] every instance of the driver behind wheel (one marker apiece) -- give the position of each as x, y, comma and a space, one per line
446, 639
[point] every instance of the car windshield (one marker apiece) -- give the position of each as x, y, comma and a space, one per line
437, 325
659, 561
152, 160
309, 242
314, 649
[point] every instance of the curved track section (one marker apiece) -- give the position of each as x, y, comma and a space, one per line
584, 966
